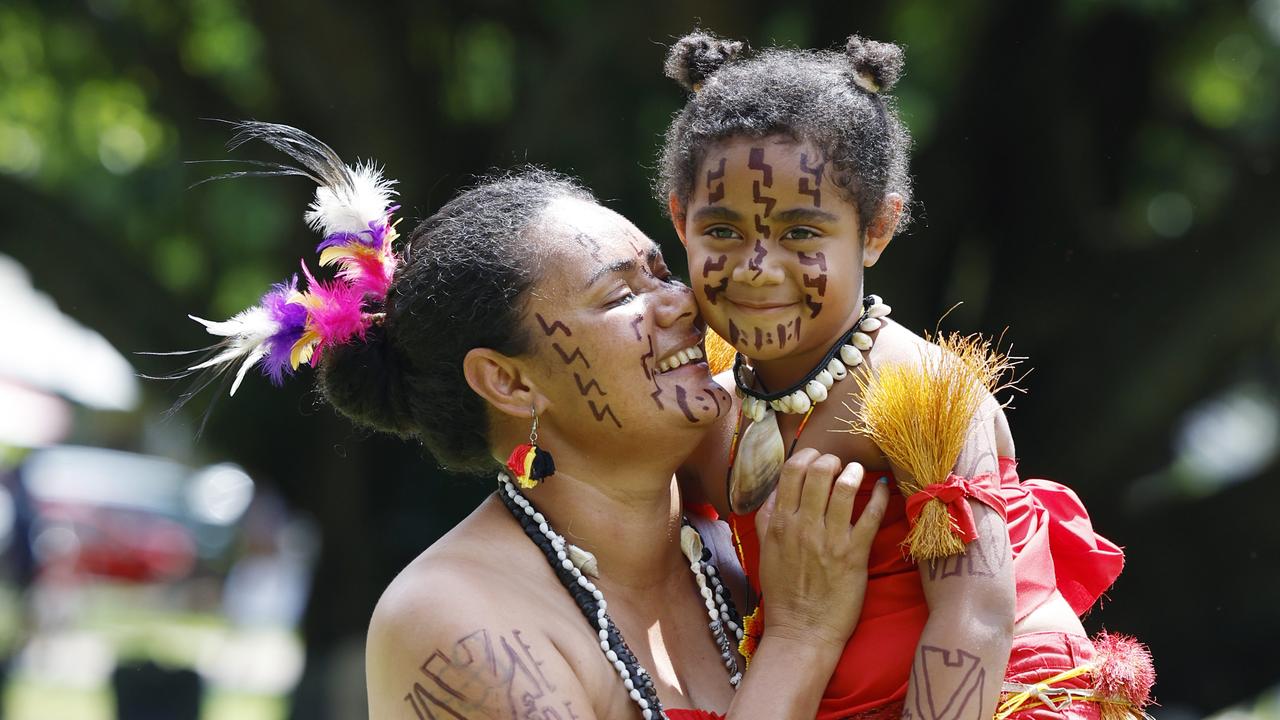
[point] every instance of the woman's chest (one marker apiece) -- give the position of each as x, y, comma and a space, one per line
673, 644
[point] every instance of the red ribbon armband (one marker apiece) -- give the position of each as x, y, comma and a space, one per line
952, 493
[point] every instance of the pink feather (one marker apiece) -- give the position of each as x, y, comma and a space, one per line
334, 313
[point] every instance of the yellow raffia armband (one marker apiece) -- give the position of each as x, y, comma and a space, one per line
920, 414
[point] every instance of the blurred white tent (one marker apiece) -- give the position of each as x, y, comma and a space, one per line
48, 359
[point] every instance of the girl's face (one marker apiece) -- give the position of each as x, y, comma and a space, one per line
613, 331
775, 253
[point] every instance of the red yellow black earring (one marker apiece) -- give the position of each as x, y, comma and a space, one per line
528, 463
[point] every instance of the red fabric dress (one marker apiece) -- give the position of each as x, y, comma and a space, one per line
1054, 547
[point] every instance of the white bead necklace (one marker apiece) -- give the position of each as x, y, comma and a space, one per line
569, 562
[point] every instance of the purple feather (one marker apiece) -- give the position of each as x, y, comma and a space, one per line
291, 319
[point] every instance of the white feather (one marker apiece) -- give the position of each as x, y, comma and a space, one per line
351, 209
245, 333
254, 356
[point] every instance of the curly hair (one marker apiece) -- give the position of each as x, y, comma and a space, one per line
464, 284
835, 100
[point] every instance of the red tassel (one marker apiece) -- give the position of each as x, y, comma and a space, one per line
1124, 669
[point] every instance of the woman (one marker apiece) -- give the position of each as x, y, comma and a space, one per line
525, 310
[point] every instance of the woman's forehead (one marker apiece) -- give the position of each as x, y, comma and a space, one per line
585, 239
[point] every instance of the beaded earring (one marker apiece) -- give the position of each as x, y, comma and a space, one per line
528, 463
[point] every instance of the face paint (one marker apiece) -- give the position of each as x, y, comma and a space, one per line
813, 191
602, 411
584, 390
774, 250
646, 361
819, 283
569, 358
756, 263
715, 194
553, 327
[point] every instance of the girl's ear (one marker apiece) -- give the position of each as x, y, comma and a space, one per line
880, 230
677, 217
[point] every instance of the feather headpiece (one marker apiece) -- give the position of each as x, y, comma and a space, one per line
292, 325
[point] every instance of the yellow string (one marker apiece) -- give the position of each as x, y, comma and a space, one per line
1018, 701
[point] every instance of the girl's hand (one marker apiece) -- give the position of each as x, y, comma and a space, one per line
813, 558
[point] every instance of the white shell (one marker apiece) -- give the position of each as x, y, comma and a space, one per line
776, 405
583, 560
758, 465
879, 310
825, 378
816, 391
861, 341
869, 325
758, 408
876, 299
788, 404
800, 403
837, 369
850, 355
691, 543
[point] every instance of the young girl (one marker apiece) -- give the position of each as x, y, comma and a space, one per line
785, 175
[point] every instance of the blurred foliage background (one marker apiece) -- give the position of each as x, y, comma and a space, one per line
1098, 176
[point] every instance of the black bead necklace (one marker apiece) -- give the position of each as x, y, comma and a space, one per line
592, 604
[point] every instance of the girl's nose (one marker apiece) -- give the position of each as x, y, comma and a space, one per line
759, 267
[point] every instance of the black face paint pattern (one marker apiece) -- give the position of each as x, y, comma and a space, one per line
813, 190
716, 194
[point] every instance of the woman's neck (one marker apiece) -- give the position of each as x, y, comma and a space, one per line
628, 518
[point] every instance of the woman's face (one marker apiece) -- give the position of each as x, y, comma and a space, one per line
775, 252
612, 330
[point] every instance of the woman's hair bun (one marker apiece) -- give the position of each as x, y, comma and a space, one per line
363, 380
877, 65
697, 56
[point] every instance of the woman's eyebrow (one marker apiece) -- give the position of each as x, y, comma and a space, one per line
804, 215
617, 266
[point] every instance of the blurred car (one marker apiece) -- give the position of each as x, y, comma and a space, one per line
130, 517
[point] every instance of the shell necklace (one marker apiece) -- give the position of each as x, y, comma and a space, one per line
757, 453
572, 565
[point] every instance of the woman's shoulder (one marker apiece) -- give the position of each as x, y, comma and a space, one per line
454, 577
462, 620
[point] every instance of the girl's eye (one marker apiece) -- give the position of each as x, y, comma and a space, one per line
800, 234
722, 233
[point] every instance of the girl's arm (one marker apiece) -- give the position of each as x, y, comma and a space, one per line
962, 655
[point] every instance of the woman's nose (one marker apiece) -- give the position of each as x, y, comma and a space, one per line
675, 303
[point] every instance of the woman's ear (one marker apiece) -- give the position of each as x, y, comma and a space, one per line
880, 230
501, 381
677, 217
